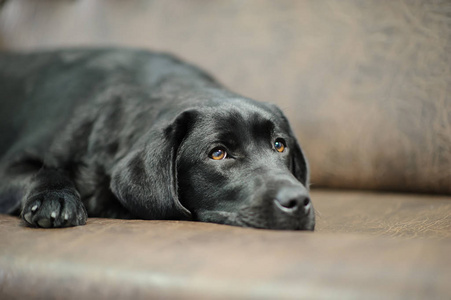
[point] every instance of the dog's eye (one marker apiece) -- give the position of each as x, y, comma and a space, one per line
218, 153
279, 145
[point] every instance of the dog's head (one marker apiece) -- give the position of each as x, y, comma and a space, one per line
232, 162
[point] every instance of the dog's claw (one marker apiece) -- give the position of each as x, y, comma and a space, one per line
27, 217
45, 223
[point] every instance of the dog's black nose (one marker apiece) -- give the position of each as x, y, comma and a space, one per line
290, 199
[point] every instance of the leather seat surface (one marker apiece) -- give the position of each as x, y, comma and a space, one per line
353, 254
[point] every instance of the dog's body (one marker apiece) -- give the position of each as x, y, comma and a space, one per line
133, 134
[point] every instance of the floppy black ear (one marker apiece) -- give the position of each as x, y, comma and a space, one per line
145, 181
301, 168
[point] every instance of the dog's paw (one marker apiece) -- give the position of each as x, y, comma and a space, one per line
59, 208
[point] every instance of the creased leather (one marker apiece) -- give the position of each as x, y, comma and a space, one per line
366, 84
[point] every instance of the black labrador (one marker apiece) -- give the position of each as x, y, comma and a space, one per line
127, 133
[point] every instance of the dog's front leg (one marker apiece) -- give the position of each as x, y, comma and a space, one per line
52, 200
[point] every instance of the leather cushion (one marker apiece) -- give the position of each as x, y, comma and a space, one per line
367, 246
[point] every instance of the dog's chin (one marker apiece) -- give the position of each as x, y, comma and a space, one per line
243, 219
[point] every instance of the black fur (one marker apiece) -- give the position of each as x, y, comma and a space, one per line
128, 134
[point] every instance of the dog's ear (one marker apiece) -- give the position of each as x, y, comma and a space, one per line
301, 168
145, 181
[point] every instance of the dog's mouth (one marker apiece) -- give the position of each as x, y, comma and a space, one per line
248, 217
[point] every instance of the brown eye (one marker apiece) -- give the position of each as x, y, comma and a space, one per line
218, 153
279, 145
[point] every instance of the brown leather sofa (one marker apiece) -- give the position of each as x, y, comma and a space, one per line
367, 87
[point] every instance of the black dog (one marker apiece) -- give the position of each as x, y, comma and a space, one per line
132, 134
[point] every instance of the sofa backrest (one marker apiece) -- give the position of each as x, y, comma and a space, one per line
366, 84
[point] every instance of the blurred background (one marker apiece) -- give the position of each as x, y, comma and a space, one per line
365, 84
